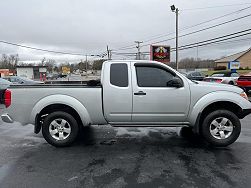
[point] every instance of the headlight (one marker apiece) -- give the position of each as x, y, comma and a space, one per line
244, 95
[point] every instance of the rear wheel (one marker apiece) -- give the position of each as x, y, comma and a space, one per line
60, 129
231, 83
221, 128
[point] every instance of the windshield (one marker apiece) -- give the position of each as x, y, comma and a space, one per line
3, 81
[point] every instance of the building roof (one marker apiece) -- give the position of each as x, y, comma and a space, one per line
233, 57
31, 66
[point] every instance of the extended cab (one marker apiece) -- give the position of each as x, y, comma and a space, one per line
130, 93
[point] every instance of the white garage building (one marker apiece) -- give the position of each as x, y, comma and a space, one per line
31, 72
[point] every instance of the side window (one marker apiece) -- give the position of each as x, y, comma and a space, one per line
152, 77
197, 74
234, 75
119, 74
13, 79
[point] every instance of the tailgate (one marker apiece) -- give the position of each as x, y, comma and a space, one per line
2, 106
244, 81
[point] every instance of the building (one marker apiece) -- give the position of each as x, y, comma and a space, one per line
243, 57
32, 72
6, 72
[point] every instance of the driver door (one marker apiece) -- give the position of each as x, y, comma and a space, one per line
153, 101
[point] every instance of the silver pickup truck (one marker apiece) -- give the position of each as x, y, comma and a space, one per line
130, 93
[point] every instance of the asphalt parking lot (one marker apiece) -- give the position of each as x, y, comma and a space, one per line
122, 157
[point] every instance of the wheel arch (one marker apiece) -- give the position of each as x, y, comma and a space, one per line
59, 103
218, 100
226, 105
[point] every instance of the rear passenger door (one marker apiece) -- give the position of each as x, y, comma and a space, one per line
117, 93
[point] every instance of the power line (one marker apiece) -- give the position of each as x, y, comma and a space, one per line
173, 50
200, 30
197, 31
216, 18
185, 28
201, 23
233, 41
211, 7
224, 36
208, 43
45, 50
201, 43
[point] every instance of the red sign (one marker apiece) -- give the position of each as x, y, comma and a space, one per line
160, 53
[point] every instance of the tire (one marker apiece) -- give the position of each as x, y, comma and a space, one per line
60, 129
231, 83
221, 128
247, 91
186, 132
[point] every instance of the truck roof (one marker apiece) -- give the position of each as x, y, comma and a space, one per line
139, 61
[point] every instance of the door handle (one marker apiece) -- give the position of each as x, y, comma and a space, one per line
140, 93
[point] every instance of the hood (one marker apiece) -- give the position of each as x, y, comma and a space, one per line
209, 87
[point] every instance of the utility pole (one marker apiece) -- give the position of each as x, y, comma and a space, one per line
109, 53
138, 47
197, 54
176, 10
86, 64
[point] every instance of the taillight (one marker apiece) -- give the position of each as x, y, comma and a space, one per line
7, 98
218, 80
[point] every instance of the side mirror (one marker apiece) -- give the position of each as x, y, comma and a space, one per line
175, 82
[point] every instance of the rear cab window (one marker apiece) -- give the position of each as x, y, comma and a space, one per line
119, 74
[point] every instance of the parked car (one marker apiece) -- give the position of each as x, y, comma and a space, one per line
22, 80
195, 75
244, 82
4, 83
131, 93
226, 77
52, 76
62, 75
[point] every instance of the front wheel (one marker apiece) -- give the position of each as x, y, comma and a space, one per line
60, 129
221, 128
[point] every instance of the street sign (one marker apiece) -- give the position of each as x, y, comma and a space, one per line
160, 53
234, 65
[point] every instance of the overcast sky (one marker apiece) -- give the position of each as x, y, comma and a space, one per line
81, 26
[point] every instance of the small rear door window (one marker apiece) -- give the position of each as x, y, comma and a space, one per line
119, 75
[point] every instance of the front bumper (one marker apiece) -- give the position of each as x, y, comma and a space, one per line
6, 118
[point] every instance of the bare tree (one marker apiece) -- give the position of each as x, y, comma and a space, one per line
8, 61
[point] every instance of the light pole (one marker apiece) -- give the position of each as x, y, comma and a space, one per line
176, 10
138, 46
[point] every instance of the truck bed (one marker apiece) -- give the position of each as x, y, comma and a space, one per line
25, 97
